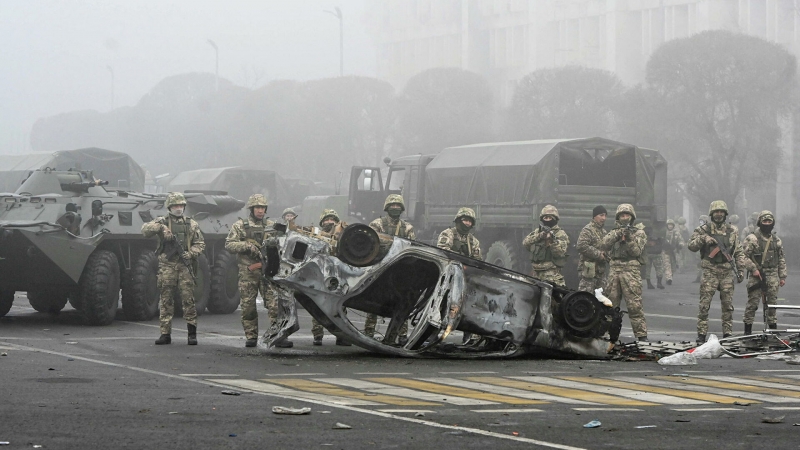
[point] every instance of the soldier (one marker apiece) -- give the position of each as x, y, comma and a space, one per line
548, 246
592, 265
288, 216
653, 251
751, 225
719, 246
765, 249
673, 245
460, 239
625, 248
684, 254
392, 225
180, 242
330, 224
704, 219
245, 240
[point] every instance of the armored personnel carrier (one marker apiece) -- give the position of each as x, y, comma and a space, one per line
64, 238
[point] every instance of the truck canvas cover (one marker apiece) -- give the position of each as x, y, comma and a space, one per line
238, 182
530, 172
119, 169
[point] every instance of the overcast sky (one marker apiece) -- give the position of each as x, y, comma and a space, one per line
57, 55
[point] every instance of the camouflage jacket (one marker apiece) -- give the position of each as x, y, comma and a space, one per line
237, 240
195, 244
548, 250
673, 241
452, 240
699, 243
624, 252
589, 240
400, 227
754, 248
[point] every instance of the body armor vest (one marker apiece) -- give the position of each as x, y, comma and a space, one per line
619, 252
541, 253
254, 232
182, 232
398, 230
771, 256
727, 238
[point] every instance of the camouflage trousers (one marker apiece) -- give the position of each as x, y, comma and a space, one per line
372, 321
317, 330
174, 276
716, 278
667, 262
654, 260
625, 282
754, 298
550, 275
589, 284
249, 286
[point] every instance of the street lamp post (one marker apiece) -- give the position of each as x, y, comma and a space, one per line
338, 14
111, 71
216, 55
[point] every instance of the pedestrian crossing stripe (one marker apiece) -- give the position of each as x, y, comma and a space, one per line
695, 390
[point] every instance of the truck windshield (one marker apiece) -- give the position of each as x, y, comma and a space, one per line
396, 179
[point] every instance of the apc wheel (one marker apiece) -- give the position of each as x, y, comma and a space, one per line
49, 301
99, 288
202, 288
225, 294
503, 254
6, 299
140, 290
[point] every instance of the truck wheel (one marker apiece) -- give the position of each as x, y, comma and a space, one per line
99, 288
202, 289
224, 284
140, 290
503, 254
6, 299
49, 301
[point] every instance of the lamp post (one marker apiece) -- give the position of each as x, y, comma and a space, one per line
111, 71
337, 12
216, 66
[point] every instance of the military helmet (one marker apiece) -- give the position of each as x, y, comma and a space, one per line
718, 205
754, 216
288, 211
704, 218
175, 198
766, 215
394, 198
670, 222
327, 213
681, 220
466, 212
625, 208
734, 219
256, 200
549, 210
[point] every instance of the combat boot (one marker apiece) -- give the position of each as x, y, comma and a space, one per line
251, 342
726, 335
773, 326
192, 334
164, 339
701, 339
658, 283
642, 339
650, 285
669, 282
402, 340
748, 329
317, 340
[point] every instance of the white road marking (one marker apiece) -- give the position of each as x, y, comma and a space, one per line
381, 373
781, 370
627, 393
512, 392
269, 388
426, 411
607, 409
706, 409
709, 390
746, 381
783, 408
209, 375
465, 373
295, 374
385, 389
503, 411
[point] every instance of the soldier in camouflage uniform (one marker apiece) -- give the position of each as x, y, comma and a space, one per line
673, 246
717, 271
330, 224
765, 249
460, 239
245, 241
548, 246
176, 270
704, 219
751, 225
392, 225
592, 265
684, 232
653, 251
625, 248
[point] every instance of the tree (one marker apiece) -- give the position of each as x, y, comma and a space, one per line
715, 100
564, 102
443, 107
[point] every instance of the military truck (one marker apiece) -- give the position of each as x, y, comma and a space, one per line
508, 183
64, 238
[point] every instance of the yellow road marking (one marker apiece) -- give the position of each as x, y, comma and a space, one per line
733, 386
457, 391
562, 392
658, 390
789, 381
330, 389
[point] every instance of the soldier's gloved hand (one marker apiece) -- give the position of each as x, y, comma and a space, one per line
253, 249
740, 277
710, 240
271, 242
186, 256
166, 233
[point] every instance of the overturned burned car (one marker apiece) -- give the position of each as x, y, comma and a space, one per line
358, 271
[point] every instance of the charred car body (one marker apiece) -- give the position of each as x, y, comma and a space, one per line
361, 271
66, 238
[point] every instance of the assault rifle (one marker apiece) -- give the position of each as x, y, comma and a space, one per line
268, 256
174, 247
720, 247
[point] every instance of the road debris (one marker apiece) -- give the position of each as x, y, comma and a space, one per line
593, 424
419, 414
738, 403
230, 392
290, 411
778, 419
342, 426
645, 426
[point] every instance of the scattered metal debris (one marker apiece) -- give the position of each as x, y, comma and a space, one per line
230, 392
593, 424
290, 411
341, 426
778, 419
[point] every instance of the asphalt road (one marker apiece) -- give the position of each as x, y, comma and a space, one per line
66, 385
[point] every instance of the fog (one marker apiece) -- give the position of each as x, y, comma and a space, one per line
58, 56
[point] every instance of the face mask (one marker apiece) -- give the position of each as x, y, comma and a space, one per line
461, 228
176, 211
328, 227
394, 213
766, 229
550, 223
625, 222
719, 220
